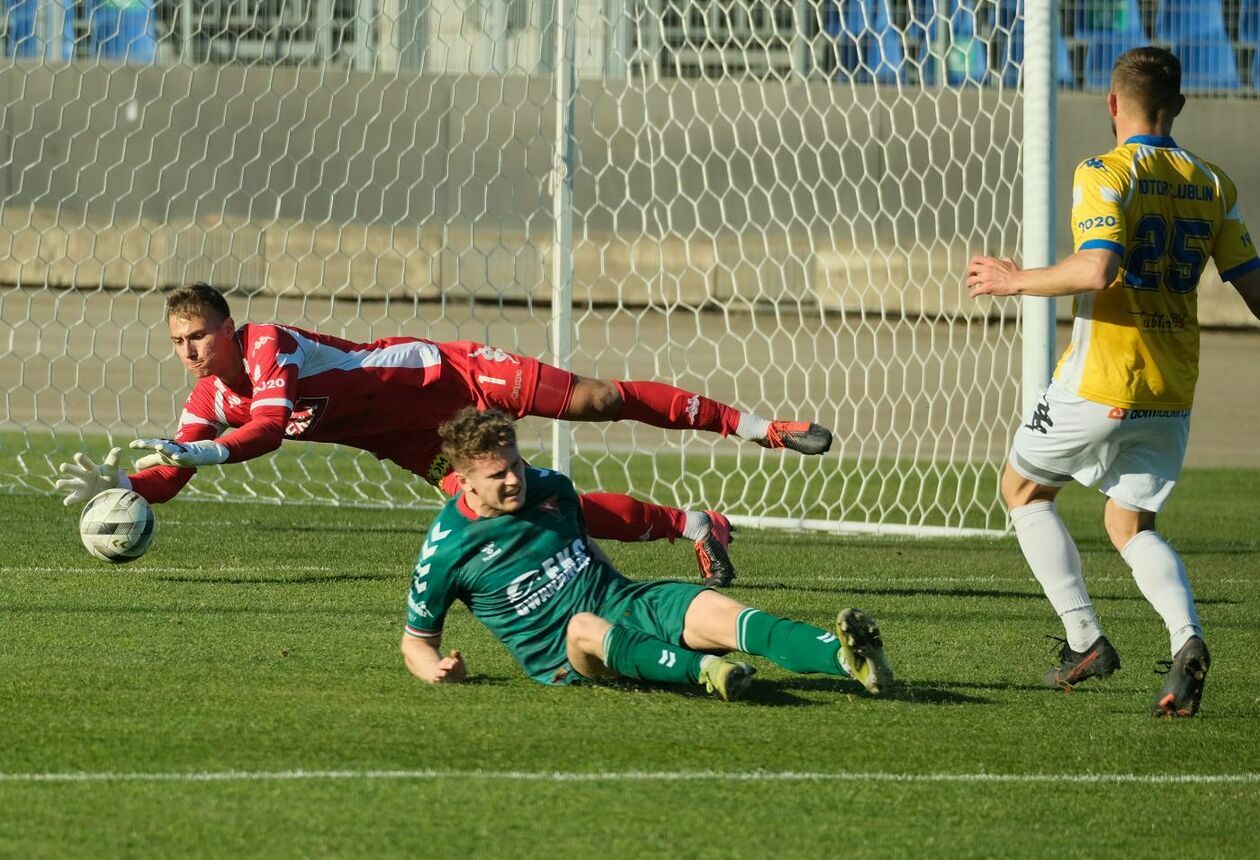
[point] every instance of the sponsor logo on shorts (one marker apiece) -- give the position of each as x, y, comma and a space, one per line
1117, 413
437, 469
305, 414
516, 386
1135, 414
1041, 418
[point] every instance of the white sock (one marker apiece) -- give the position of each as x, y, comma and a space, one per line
698, 525
1052, 555
752, 427
1161, 576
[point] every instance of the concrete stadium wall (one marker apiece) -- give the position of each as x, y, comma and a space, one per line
293, 181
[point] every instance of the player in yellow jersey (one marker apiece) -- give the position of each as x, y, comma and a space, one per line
1146, 217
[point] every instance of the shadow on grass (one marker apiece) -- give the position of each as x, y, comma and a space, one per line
889, 591
785, 692
418, 529
1005, 545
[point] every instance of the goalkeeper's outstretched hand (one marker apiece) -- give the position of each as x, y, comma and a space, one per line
84, 479
184, 455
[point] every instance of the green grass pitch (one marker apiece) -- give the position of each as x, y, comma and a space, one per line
239, 692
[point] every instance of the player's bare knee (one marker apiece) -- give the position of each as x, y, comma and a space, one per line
1123, 524
585, 632
595, 400
1018, 491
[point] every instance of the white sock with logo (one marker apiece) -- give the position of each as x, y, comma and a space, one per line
752, 427
698, 525
1055, 561
1161, 576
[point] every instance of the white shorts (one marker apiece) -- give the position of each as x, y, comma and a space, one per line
1132, 455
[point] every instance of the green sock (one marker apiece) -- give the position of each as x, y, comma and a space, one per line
638, 655
792, 644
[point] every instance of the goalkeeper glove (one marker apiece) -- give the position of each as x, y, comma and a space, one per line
85, 480
185, 455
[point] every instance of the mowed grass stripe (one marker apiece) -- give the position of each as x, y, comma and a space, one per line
642, 776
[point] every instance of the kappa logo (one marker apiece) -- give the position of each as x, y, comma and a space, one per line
693, 409
258, 343
1041, 418
1095, 163
490, 353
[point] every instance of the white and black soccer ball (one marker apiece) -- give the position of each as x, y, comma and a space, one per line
117, 526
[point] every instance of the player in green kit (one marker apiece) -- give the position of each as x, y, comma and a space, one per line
513, 547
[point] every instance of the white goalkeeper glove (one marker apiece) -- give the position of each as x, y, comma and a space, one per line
85, 480
185, 455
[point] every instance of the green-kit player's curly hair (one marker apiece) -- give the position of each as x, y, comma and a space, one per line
472, 435
197, 300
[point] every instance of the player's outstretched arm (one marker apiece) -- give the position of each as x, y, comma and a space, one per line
424, 659
1248, 287
84, 479
1090, 269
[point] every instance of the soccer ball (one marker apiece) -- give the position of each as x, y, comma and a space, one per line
117, 526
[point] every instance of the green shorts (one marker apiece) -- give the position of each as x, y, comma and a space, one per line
657, 608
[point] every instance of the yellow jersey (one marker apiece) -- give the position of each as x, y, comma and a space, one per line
1163, 211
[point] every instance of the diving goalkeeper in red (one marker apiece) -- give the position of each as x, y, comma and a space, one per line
274, 382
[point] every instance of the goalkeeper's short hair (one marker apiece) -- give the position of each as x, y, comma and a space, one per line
199, 299
472, 435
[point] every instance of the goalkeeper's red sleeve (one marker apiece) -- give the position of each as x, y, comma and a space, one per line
160, 483
261, 435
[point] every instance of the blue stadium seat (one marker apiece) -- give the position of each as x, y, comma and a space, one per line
23, 42
1195, 29
966, 56
122, 30
866, 42
1011, 20
1249, 34
885, 53
1109, 28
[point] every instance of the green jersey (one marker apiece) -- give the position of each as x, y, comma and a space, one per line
523, 574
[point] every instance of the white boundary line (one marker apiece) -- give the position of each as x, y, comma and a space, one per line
870, 579
638, 776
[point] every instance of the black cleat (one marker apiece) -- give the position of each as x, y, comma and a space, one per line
862, 651
800, 436
1183, 686
716, 568
1097, 661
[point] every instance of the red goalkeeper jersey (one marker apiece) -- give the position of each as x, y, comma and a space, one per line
386, 397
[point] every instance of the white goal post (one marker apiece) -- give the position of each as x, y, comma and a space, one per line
769, 201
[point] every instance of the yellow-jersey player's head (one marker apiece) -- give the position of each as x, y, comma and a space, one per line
1146, 88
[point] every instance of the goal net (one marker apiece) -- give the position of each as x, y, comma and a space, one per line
772, 203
